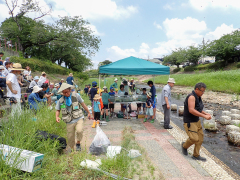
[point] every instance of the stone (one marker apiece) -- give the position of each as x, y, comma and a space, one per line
173, 107
230, 128
180, 110
209, 112
234, 137
235, 111
235, 116
226, 113
235, 122
224, 120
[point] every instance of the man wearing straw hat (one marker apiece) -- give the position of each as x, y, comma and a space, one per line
166, 102
72, 115
34, 99
13, 87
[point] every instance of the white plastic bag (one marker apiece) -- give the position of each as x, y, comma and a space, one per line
100, 143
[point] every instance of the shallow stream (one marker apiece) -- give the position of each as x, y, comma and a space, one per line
215, 142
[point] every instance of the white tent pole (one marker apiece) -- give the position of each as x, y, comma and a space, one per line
99, 83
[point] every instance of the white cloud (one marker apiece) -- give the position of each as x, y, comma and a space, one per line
117, 53
184, 28
95, 9
95, 31
157, 25
203, 4
219, 32
168, 6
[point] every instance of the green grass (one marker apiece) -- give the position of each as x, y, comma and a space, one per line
20, 132
221, 81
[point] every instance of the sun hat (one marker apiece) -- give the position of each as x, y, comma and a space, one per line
56, 85
149, 94
132, 79
64, 86
43, 73
36, 89
115, 79
36, 78
17, 67
2, 67
171, 80
104, 87
62, 79
96, 97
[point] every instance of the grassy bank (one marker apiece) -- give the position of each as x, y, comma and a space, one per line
222, 81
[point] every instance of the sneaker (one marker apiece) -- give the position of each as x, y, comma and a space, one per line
152, 121
200, 158
168, 127
145, 120
184, 151
78, 147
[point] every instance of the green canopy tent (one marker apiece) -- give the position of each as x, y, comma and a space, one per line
134, 66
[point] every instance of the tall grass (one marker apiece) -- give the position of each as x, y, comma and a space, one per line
222, 81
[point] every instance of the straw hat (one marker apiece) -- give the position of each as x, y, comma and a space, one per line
115, 79
43, 73
64, 86
97, 97
17, 67
171, 80
36, 89
2, 67
149, 94
56, 85
36, 78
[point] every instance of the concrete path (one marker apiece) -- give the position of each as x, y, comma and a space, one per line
164, 149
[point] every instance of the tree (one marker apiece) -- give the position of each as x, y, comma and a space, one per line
225, 47
104, 63
193, 54
176, 58
69, 40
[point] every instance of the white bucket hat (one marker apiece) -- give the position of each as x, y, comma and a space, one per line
36, 78
104, 87
64, 86
36, 89
149, 94
2, 67
56, 85
171, 80
115, 79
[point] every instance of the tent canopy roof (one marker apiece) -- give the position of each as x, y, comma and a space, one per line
134, 66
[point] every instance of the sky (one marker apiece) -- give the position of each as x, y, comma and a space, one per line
146, 28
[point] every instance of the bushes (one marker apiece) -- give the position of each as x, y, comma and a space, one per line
38, 65
217, 65
238, 65
176, 70
190, 68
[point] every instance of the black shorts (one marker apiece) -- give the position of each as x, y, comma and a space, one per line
111, 106
105, 106
96, 115
139, 104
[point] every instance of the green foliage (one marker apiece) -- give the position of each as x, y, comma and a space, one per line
223, 81
92, 73
190, 68
69, 40
176, 58
176, 70
238, 65
37, 65
193, 54
224, 48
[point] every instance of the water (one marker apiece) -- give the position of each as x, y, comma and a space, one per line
215, 142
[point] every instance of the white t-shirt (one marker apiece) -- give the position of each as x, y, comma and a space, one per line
41, 81
15, 86
26, 73
5, 72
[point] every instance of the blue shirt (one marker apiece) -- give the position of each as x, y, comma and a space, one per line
93, 91
153, 91
34, 99
69, 80
95, 106
86, 90
111, 93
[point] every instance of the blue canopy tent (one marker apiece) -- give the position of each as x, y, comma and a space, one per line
133, 66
